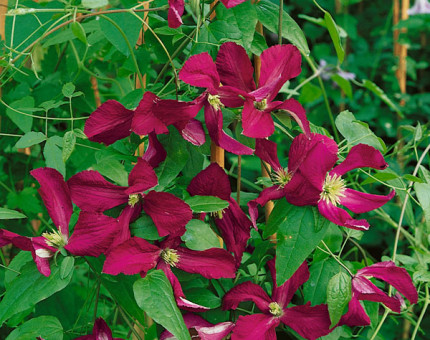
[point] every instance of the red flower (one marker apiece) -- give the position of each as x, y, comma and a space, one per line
101, 331
364, 289
309, 322
92, 234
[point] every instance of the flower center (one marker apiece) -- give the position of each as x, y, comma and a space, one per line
217, 214
215, 102
275, 309
133, 199
281, 177
262, 105
55, 239
333, 189
170, 256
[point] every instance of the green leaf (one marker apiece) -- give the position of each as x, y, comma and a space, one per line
203, 297
94, 3
177, 157
343, 83
315, 289
381, 94
24, 105
29, 139
155, 296
79, 32
356, 132
145, 228
27, 289
67, 266
69, 141
68, 89
200, 204
412, 178
422, 191
382, 176
334, 35
200, 236
267, 13
7, 214
129, 25
338, 296
113, 170
300, 230
246, 19
53, 155
26, 200
46, 327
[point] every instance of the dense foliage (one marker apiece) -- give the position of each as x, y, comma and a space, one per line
122, 218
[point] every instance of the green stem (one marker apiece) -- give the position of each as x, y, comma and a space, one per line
129, 323
96, 303
423, 312
326, 101
378, 328
337, 259
281, 10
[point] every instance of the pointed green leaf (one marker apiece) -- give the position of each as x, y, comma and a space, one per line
200, 236
338, 296
7, 214
16, 110
29, 139
79, 32
69, 141
46, 327
154, 295
68, 89
200, 204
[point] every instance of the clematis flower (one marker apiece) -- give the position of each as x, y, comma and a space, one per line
92, 234
419, 7
111, 121
291, 182
232, 222
101, 331
200, 71
309, 322
315, 182
278, 64
91, 192
138, 256
364, 289
204, 329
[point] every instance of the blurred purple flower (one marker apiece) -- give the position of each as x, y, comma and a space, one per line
419, 7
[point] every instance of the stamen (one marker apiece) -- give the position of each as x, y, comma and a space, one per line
262, 105
281, 177
217, 214
215, 102
55, 239
170, 256
133, 200
333, 189
275, 309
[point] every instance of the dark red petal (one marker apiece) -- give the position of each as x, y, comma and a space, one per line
174, 16
200, 71
341, 217
171, 111
361, 156
42, 262
247, 291
101, 330
268, 194
214, 263
234, 67
21, 242
93, 234
109, 123
131, 257
128, 215
212, 181
360, 202
91, 192
232, 97
192, 131
256, 123
145, 120
356, 315
235, 229
363, 289
214, 121
310, 322
395, 276
142, 177
169, 213
283, 294
155, 153
255, 327
231, 3
279, 63
296, 110
267, 151
56, 197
